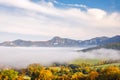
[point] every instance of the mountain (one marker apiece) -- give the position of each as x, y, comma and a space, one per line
54, 42
63, 42
94, 41
115, 39
101, 40
57, 41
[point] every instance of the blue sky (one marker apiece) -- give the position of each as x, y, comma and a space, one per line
108, 5
44, 19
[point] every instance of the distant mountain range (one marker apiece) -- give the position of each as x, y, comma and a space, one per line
63, 42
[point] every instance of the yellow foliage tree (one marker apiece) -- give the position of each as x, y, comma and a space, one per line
45, 75
93, 75
77, 76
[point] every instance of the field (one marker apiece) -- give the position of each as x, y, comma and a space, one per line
95, 62
87, 61
107, 65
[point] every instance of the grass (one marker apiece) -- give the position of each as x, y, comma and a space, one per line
87, 61
106, 65
93, 62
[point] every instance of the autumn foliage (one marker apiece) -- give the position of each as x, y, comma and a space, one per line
62, 72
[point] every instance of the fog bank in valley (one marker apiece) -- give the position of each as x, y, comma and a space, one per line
23, 56
108, 54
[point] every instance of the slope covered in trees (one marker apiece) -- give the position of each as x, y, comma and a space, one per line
115, 46
62, 72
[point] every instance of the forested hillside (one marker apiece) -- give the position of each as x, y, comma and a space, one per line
63, 72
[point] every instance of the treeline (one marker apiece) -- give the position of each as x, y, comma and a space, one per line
62, 72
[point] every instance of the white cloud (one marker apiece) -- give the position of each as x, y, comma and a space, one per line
97, 13
44, 19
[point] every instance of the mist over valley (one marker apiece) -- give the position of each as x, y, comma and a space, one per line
23, 56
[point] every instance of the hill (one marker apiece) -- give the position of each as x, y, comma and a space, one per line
115, 46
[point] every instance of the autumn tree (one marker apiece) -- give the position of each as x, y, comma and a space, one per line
77, 76
9, 74
45, 75
93, 75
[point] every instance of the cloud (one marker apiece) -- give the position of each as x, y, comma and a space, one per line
24, 56
46, 56
45, 19
97, 13
107, 54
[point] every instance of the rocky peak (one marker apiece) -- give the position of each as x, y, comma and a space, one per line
56, 38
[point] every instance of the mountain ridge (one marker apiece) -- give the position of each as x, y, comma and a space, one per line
63, 42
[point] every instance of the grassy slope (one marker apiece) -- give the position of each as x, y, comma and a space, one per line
106, 65
115, 46
93, 62
88, 61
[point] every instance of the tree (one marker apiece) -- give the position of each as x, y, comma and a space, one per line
45, 75
110, 73
9, 74
93, 75
77, 76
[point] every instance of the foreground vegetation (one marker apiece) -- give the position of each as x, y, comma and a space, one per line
64, 72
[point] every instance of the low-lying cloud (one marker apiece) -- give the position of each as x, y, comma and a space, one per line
23, 56
108, 54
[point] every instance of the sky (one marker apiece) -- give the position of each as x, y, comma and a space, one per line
43, 19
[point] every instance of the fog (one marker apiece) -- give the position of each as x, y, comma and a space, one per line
23, 56
107, 54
